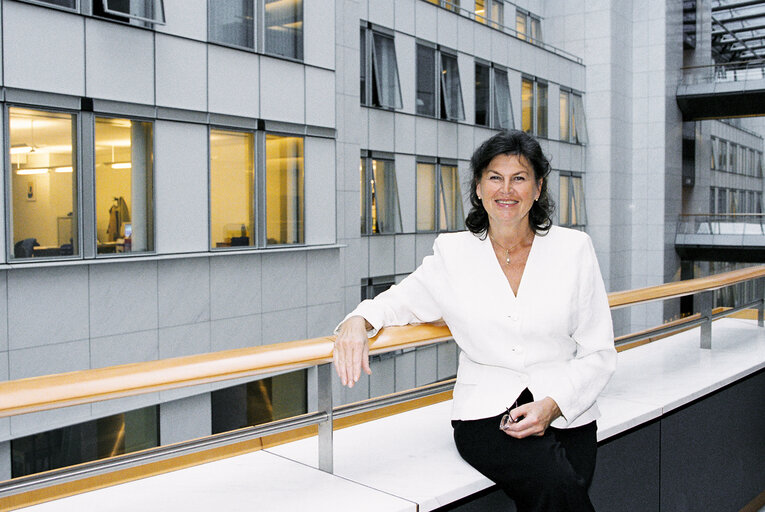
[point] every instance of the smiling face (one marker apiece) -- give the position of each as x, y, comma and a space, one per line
507, 190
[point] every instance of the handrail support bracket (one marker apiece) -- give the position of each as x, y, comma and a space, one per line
705, 301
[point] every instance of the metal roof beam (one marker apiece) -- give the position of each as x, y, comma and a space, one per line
736, 30
737, 6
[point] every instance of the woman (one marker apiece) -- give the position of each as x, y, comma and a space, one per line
526, 304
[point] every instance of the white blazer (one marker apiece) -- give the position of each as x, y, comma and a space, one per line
555, 337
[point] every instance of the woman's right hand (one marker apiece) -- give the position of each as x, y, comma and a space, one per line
351, 352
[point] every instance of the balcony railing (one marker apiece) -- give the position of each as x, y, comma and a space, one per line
55, 391
738, 71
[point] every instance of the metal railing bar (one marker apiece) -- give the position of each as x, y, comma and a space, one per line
108, 465
393, 399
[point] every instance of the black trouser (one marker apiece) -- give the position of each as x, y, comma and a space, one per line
549, 473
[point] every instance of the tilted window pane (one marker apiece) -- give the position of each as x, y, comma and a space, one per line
578, 215
363, 66
451, 216
386, 72
284, 190
482, 94
541, 98
564, 116
138, 12
43, 183
71, 4
386, 215
232, 22
426, 197
284, 28
563, 198
527, 106
503, 106
124, 186
232, 185
450, 89
426, 80
579, 123
480, 10
365, 190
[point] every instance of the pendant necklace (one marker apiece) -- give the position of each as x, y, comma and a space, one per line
507, 251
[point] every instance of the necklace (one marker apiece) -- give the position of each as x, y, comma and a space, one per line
507, 251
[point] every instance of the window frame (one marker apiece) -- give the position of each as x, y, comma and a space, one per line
531, 24
536, 85
443, 103
158, 8
151, 219
579, 204
493, 117
368, 227
77, 160
372, 76
437, 194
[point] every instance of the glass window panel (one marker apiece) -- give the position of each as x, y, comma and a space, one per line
536, 29
426, 197
482, 97
426, 80
363, 66
503, 105
480, 10
564, 200
451, 91
388, 91
578, 124
733, 164
722, 200
541, 103
283, 26
527, 105
132, 11
232, 164
722, 163
758, 203
452, 5
712, 197
759, 164
124, 186
97, 439
365, 189
43, 183
578, 216
284, 190
497, 13
564, 115
232, 22
71, 4
713, 152
451, 217
520, 24
386, 215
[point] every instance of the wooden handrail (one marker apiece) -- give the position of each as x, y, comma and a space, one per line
47, 392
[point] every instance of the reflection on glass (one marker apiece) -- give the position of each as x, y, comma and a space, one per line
232, 164
98, 439
43, 183
124, 183
564, 116
284, 28
284, 190
388, 91
481, 94
426, 197
578, 215
426, 80
503, 108
450, 214
563, 198
232, 22
527, 106
541, 98
480, 10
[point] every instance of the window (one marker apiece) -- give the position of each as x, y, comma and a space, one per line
260, 401
371, 287
439, 197
124, 181
452, 5
233, 22
493, 107
380, 212
713, 149
712, 200
284, 190
97, 439
528, 27
283, 22
490, 11
378, 61
139, 12
439, 93
43, 183
232, 185
534, 107
722, 162
572, 126
565, 115
722, 200
69, 4
572, 210
733, 162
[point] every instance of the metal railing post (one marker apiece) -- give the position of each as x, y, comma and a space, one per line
759, 292
324, 388
705, 301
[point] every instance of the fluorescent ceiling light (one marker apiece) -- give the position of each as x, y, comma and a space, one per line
64, 169
121, 165
20, 150
32, 171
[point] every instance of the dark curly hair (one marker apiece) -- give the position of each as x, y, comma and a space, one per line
511, 142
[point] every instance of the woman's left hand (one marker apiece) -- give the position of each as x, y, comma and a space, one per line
536, 417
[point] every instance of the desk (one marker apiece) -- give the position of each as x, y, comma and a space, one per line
110, 247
